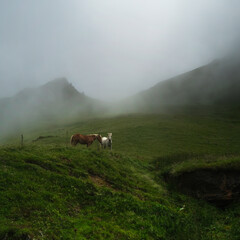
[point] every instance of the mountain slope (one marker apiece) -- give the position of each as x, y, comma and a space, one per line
217, 83
56, 100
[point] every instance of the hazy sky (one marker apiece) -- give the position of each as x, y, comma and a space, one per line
110, 48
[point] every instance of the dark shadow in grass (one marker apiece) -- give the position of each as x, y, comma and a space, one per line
166, 161
15, 233
42, 137
58, 168
43, 164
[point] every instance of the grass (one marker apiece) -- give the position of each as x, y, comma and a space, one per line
50, 190
230, 162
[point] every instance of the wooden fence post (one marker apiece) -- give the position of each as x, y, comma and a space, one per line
67, 138
21, 140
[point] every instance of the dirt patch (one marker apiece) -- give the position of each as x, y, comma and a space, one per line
65, 159
219, 187
99, 181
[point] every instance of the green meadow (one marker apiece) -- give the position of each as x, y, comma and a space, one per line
51, 190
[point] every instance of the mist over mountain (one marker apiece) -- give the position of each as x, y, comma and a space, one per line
55, 101
217, 83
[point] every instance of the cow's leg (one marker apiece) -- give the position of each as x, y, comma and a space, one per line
89, 144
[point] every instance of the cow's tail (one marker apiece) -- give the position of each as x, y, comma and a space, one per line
71, 140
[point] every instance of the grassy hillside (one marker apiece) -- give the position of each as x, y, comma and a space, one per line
50, 190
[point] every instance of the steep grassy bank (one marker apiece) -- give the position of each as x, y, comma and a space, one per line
51, 192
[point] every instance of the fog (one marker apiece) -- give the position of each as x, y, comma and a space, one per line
110, 49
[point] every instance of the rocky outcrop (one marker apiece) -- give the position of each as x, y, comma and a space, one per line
219, 187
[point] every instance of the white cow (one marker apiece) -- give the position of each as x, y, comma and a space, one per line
107, 141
